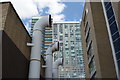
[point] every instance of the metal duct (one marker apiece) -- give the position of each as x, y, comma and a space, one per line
37, 40
56, 65
49, 59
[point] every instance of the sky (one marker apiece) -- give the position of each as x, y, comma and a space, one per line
60, 10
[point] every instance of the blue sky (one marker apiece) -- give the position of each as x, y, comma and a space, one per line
60, 11
72, 12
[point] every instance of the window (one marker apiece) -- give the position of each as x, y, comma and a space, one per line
77, 30
110, 13
108, 5
88, 39
67, 61
72, 47
66, 35
60, 28
48, 34
66, 48
119, 65
86, 11
117, 45
77, 38
77, 25
118, 56
92, 66
66, 26
113, 28
61, 44
61, 38
55, 29
71, 34
111, 19
86, 28
115, 36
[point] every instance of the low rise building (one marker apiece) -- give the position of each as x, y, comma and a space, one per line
14, 52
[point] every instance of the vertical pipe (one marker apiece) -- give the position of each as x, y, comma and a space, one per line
56, 65
49, 59
37, 40
48, 73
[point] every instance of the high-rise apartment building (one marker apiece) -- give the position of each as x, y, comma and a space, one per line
69, 36
47, 41
100, 30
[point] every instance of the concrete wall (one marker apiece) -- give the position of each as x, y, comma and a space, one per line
104, 50
15, 29
14, 52
100, 39
84, 43
0, 17
0, 54
14, 63
3, 13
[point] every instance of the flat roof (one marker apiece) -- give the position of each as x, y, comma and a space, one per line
38, 17
66, 22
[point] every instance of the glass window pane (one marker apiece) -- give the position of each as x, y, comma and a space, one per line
108, 5
110, 13
119, 65
112, 19
117, 45
118, 56
113, 28
115, 36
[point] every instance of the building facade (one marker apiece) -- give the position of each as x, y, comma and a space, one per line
69, 36
47, 41
14, 52
101, 39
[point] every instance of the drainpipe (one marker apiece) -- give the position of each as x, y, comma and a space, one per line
35, 58
49, 59
56, 65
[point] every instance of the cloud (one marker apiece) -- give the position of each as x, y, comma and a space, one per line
29, 8
80, 20
26, 9
55, 8
59, 17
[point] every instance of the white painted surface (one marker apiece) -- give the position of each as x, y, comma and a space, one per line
56, 65
34, 70
49, 59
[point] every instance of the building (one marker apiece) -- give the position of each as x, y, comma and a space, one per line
70, 46
100, 30
14, 52
47, 41
69, 36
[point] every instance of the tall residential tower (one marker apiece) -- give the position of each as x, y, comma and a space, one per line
69, 36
